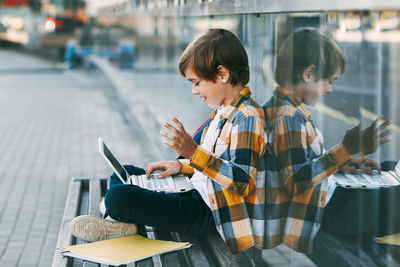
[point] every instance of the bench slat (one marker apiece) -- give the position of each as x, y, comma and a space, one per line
94, 197
70, 211
93, 208
194, 255
90, 264
144, 263
156, 259
174, 258
215, 248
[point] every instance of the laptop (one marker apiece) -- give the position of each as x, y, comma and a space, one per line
375, 180
171, 184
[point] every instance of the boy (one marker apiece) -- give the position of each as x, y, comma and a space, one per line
224, 164
297, 165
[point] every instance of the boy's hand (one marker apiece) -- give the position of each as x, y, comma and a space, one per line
375, 135
351, 140
367, 166
179, 139
168, 168
369, 139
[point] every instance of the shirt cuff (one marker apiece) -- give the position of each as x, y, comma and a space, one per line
186, 168
200, 159
340, 154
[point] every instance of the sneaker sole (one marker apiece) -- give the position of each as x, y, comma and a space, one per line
91, 228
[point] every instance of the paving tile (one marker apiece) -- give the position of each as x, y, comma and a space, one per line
11, 254
8, 263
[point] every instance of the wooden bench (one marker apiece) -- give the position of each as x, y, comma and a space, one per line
84, 196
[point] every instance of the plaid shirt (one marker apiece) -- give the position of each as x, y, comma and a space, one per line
296, 170
232, 168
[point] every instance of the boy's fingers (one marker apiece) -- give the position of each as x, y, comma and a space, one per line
386, 133
385, 124
367, 169
165, 174
378, 167
373, 164
167, 135
382, 141
153, 167
355, 162
178, 123
171, 128
168, 143
350, 169
149, 170
375, 122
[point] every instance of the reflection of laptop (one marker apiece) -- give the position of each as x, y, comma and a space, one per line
363, 180
170, 184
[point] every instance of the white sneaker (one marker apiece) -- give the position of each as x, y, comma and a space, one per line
102, 207
91, 228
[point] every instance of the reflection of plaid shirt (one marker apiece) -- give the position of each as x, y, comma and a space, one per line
296, 168
232, 167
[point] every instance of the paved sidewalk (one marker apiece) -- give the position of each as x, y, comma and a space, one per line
49, 124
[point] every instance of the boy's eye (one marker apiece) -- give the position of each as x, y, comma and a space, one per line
196, 84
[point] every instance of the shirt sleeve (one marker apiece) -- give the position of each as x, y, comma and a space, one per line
238, 173
186, 168
299, 168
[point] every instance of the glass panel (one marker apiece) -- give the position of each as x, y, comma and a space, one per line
369, 42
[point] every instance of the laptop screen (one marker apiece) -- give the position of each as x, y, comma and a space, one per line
114, 162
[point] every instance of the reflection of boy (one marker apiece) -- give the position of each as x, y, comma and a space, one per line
297, 164
224, 164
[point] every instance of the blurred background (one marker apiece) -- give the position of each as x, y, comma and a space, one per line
71, 71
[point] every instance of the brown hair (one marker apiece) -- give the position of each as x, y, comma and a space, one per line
212, 48
305, 48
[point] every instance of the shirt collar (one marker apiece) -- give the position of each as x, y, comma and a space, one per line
284, 93
245, 92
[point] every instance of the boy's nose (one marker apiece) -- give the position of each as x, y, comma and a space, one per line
328, 90
195, 91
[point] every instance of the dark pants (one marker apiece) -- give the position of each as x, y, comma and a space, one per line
363, 212
171, 212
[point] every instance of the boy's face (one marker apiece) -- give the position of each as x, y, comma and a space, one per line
212, 93
314, 89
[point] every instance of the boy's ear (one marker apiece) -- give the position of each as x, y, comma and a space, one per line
223, 74
308, 73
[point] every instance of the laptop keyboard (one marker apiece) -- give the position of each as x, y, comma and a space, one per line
155, 183
375, 179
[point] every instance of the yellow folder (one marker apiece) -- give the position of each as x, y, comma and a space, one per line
122, 250
389, 239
